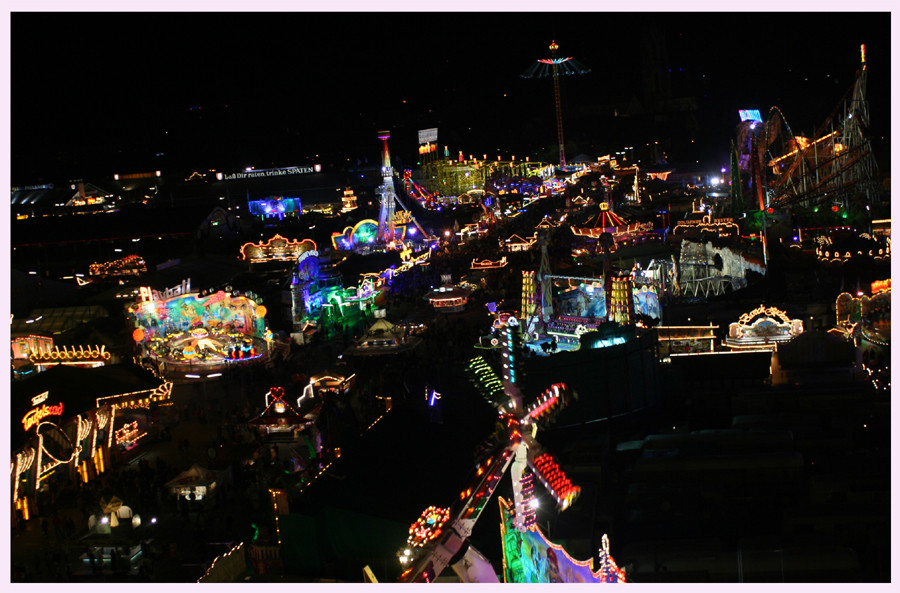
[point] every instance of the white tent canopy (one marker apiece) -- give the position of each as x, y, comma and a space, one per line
196, 479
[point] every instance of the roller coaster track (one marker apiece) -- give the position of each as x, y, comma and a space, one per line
716, 285
837, 166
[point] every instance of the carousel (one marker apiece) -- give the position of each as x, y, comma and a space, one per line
197, 331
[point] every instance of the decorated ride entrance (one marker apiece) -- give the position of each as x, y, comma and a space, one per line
189, 332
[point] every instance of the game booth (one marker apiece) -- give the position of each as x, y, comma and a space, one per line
188, 332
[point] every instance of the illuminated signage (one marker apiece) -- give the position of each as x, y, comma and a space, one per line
128, 433
763, 310
148, 294
277, 248
37, 414
750, 115
429, 135
881, 285
39, 399
273, 172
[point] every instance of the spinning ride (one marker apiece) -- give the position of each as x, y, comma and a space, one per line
554, 66
440, 537
193, 330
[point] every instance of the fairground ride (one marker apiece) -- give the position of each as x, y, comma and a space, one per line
836, 167
417, 192
386, 232
553, 67
440, 539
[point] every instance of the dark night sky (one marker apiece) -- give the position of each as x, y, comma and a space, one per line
96, 93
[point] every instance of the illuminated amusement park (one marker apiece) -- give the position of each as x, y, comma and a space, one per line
584, 357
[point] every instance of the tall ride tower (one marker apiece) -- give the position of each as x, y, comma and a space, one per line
387, 192
553, 67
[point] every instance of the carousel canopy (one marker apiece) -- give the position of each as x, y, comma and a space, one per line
605, 219
382, 329
195, 475
383, 337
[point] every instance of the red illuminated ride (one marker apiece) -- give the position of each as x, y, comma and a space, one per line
446, 543
419, 193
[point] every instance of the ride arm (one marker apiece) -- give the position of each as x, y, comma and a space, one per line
450, 546
473, 567
413, 218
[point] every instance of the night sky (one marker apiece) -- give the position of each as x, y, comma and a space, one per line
98, 93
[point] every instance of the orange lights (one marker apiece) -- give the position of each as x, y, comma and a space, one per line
277, 248
130, 265
22, 505
67, 354
881, 285
428, 526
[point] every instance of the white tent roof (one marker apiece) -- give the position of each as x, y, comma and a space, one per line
193, 476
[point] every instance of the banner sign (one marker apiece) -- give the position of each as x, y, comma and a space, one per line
273, 172
429, 135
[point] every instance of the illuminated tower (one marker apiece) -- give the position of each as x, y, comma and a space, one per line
537, 294
512, 355
348, 200
531, 296
388, 195
544, 280
554, 67
620, 305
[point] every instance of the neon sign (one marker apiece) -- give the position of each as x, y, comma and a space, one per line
128, 433
37, 414
273, 172
750, 115
432, 397
148, 294
881, 285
